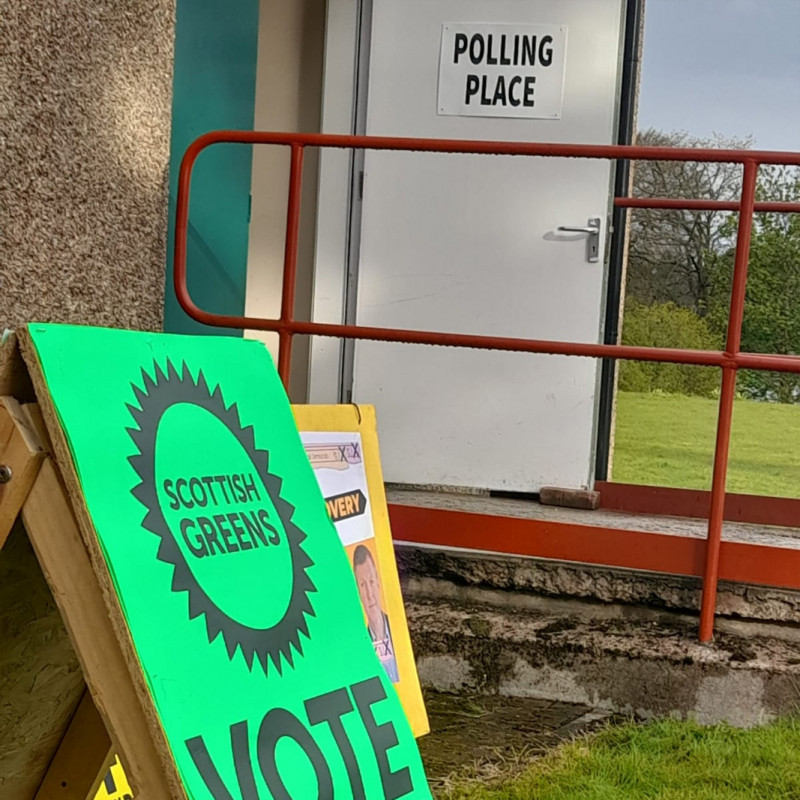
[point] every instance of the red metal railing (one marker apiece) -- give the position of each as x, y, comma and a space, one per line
730, 360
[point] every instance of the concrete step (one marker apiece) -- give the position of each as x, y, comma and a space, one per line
529, 578
529, 582
616, 662
482, 503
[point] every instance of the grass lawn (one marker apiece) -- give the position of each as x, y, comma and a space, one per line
668, 440
666, 760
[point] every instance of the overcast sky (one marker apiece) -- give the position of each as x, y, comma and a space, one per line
725, 66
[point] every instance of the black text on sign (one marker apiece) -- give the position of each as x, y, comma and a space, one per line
490, 70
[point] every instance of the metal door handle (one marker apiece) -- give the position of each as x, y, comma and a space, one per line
593, 238
592, 230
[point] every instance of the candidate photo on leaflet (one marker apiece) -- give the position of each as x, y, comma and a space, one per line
369, 589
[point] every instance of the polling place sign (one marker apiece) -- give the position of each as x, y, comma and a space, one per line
238, 596
494, 70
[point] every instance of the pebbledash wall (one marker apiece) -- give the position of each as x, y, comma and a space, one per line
85, 110
91, 136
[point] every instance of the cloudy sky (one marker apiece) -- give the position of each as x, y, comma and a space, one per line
725, 66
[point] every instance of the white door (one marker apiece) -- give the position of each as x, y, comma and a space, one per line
471, 243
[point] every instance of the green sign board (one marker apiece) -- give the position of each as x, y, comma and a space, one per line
233, 582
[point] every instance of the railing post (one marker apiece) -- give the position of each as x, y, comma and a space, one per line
285, 332
727, 395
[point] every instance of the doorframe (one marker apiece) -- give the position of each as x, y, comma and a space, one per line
335, 192
617, 254
353, 256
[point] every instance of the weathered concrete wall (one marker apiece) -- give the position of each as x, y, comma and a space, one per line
522, 580
85, 108
618, 640
291, 44
645, 668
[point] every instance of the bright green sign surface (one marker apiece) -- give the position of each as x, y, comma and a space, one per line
236, 589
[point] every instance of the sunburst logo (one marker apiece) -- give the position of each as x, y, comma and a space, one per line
218, 511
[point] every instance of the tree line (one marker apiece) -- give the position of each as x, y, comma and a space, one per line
680, 267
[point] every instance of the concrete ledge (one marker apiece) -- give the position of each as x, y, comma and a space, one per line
627, 665
522, 580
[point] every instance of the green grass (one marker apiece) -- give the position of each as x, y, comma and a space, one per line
666, 760
668, 440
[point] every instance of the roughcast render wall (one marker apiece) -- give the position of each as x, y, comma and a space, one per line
85, 108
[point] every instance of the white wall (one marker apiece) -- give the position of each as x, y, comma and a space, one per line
288, 98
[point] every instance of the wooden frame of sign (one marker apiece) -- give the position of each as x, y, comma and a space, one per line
71, 688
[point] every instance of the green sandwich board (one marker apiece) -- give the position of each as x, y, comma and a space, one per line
240, 603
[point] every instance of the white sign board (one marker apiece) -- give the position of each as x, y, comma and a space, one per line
338, 463
490, 70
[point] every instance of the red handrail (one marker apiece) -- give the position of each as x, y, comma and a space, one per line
730, 360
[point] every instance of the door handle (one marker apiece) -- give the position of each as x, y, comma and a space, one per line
592, 229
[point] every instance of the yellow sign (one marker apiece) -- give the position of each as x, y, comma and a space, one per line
342, 446
115, 784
